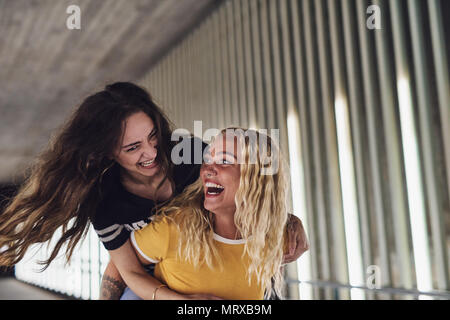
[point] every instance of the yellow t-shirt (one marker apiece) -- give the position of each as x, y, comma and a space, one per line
158, 243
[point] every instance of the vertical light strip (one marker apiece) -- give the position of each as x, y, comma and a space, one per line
371, 102
233, 108
203, 71
441, 66
414, 187
249, 80
164, 98
284, 100
313, 105
196, 76
190, 81
279, 86
174, 86
225, 65
155, 81
298, 203
411, 154
434, 197
357, 124
269, 107
69, 278
393, 152
94, 259
346, 158
351, 217
184, 74
179, 85
215, 94
240, 64
335, 209
85, 267
257, 64
170, 103
209, 76
220, 100
294, 53
104, 259
77, 273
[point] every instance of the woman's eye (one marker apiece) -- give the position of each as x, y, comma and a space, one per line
132, 148
226, 161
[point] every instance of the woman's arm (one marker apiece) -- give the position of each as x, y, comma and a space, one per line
112, 285
134, 275
297, 240
129, 264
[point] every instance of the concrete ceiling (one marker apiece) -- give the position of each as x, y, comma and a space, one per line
47, 69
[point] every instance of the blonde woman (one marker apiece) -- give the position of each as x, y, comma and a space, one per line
223, 236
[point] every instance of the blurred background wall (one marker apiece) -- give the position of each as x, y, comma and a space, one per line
359, 90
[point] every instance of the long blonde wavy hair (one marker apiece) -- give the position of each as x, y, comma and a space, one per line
260, 217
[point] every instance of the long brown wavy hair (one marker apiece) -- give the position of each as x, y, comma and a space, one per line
64, 187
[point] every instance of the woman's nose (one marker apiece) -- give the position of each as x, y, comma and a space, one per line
150, 150
209, 170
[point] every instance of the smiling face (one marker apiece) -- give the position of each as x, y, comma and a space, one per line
138, 150
220, 175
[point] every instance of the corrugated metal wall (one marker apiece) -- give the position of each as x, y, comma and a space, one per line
81, 279
364, 114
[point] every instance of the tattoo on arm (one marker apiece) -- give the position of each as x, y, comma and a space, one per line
111, 289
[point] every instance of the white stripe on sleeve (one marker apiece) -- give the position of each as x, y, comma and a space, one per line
113, 236
108, 229
135, 245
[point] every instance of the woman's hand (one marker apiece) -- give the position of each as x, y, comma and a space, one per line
297, 240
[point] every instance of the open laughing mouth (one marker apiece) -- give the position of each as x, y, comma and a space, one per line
213, 189
148, 164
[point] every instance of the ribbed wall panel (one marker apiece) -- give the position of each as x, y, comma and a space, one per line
262, 63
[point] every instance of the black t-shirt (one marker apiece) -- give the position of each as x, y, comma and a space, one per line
121, 212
